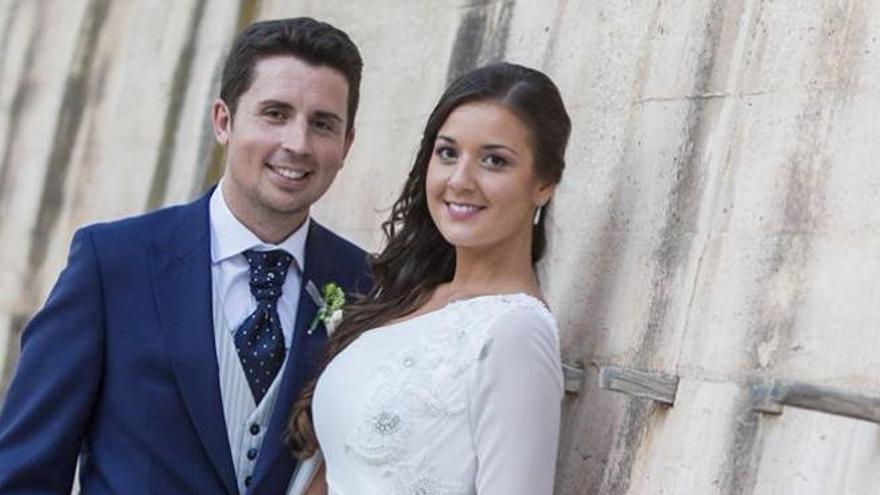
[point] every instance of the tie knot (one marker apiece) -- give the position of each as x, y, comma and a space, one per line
268, 271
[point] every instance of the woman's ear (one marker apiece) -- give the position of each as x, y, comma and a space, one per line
543, 192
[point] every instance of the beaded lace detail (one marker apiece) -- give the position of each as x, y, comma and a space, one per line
427, 382
416, 478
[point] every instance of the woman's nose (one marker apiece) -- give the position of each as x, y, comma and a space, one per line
462, 176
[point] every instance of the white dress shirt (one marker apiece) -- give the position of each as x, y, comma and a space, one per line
230, 271
246, 421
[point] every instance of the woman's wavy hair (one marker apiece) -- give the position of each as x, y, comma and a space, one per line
417, 258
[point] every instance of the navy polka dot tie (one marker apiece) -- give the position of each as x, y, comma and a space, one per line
259, 340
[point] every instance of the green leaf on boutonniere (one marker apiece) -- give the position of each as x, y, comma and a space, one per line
333, 298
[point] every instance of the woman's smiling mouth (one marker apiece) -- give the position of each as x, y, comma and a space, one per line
463, 211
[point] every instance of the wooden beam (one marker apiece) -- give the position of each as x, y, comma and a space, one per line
573, 377
656, 386
771, 397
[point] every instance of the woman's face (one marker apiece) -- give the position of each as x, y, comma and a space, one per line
481, 185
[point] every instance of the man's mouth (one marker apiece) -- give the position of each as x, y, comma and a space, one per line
289, 173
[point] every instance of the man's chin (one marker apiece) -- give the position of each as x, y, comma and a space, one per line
292, 212
283, 203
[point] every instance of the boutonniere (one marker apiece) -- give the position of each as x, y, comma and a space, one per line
330, 302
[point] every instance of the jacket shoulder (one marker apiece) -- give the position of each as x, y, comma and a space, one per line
155, 225
343, 260
343, 250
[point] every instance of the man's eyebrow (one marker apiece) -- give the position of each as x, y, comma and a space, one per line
275, 103
323, 114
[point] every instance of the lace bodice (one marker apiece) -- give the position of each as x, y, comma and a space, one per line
462, 400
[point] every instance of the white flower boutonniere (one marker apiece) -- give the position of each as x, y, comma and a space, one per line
333, 321
332, 298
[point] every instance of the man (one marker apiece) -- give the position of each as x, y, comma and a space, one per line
171, 348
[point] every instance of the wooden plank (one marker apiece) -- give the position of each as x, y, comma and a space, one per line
656, 386
830, 400
573, 377
762, 399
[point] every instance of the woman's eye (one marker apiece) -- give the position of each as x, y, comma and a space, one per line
446, 153
495, 161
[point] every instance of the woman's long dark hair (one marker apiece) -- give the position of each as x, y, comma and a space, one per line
417, 258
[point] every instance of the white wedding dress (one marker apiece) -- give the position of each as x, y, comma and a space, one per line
462, 400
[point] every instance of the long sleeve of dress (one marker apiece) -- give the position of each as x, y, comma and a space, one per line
516, 394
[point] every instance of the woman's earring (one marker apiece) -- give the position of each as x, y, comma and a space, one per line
537, 219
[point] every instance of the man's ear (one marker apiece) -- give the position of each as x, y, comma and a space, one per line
221, 119
349, 139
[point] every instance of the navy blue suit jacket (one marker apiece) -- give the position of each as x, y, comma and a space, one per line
119, 367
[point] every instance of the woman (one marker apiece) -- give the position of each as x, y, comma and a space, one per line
446, 377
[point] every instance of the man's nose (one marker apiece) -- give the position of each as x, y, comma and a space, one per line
295, 137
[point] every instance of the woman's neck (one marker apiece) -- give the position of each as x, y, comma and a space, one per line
499, 271
482, 272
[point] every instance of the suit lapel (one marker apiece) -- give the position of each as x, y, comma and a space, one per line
181, 272
305, 355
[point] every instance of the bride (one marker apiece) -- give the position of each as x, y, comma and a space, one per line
446, 377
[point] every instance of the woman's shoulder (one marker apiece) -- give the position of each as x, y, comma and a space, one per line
508, 316
522, 332
517, 304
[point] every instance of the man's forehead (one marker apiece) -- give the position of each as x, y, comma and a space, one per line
290, 66
286, 77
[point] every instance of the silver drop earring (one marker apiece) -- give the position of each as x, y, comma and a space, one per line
537, 219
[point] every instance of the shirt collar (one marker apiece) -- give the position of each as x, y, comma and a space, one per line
229, 237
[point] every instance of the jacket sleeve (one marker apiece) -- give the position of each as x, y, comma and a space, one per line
49, 402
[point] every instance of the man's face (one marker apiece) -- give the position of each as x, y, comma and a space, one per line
285, 143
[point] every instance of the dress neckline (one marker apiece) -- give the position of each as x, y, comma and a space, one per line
457, 302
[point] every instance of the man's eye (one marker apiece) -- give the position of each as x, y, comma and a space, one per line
274, 114
324, 125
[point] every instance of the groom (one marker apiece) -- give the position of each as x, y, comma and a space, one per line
173, 344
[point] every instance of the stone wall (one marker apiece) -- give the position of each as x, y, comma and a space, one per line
719, 219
